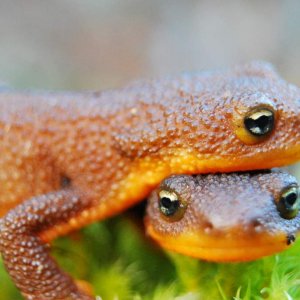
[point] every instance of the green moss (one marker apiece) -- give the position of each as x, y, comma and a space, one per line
121, 263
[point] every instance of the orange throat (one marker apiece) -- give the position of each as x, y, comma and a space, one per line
221, 248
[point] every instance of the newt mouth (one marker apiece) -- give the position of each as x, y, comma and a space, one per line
223, 249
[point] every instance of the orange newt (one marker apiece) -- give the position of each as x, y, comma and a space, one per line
225, 217
69, 159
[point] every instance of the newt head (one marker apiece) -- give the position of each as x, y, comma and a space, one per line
244, 118
225, 217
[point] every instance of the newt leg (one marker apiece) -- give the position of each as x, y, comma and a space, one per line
26, 256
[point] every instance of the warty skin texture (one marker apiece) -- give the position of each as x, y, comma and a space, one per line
27, 257
114, 147
228, 217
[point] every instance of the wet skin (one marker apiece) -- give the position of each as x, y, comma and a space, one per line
69, 159
225, 217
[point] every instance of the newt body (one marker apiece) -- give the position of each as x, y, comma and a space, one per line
225, 217
89, 156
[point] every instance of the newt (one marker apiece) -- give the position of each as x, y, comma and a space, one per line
225, 217
71, 158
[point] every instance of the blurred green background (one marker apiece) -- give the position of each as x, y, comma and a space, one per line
99, 44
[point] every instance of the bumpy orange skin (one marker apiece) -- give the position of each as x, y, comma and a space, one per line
114, 147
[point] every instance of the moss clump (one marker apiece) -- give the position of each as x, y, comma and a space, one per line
120, 263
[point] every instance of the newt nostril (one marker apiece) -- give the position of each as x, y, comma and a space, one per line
208, 227
256, 225
65, 181
291, 238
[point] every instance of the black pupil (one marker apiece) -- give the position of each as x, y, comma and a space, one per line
168, 207
260, 126
290, 199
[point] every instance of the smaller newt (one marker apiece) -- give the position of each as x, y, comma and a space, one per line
225, 217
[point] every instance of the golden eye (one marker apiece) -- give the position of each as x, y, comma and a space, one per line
260, 122
255, 126
170, 205
289, 202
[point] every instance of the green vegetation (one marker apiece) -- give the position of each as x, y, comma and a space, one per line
122, 264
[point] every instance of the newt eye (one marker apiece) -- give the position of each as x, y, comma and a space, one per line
259, 122
170, 205
256, 125
289, 202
